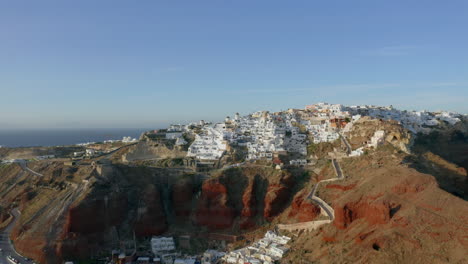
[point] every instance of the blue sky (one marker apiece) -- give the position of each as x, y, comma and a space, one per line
101, 64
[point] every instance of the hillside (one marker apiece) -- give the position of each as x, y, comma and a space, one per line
387, 212
403, 200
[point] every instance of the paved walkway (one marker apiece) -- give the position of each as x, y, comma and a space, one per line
311, 225
345, 141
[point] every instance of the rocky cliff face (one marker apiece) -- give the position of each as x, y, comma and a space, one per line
374, 212
213, 210
70, 214
303, 210
183, 196
150, 150
151, 219
392, 205
363, 130
387, 211
245, 197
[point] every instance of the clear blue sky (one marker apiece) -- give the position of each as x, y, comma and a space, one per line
113, 63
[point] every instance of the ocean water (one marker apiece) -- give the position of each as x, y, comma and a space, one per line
30, 138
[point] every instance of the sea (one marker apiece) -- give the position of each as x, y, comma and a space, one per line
34, 138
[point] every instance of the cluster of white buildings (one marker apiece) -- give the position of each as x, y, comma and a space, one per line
266, 134
210, 144
261, 133
164, 250
267, 250
178, 135
212, 256
109, 141
323, 121
322, 132
414, 121
123, 140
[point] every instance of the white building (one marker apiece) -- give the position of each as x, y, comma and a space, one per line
90, 152
210, 144
211, 256
265, 251
299, 162
161, 245
377, 139
180, 141
174, 135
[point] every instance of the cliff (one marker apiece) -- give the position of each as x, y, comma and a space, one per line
387, 211
244, 198
402, 201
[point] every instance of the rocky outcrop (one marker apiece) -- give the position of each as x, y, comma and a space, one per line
277, 197
147, 150
95, 215
364, 129
341, 187
151, 219
246, 197
250, 209
275, 200
183, 192
303, 210
373, 212
213, 210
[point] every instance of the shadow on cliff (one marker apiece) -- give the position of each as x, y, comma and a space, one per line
128, 201
452, 146
447, 179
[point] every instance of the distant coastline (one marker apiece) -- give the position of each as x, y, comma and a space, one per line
60, 137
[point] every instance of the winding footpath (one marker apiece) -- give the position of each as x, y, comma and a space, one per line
326, 208
345, 141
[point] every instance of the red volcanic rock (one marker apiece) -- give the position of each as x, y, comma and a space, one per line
406, 187
362, 236
308, 212
341, 187
328, 239
276, 199
288, 180
151, 218
75, 246
32, 245
249, 206
96, 215
249, 201
247, 223
377, 212
182, 194
304, 210
213, 211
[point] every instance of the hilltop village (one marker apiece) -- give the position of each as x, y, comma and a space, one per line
269, 136
278, 142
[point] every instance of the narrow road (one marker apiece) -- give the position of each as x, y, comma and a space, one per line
345, 141
339, 172
110, 153
24, 166
6, 245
